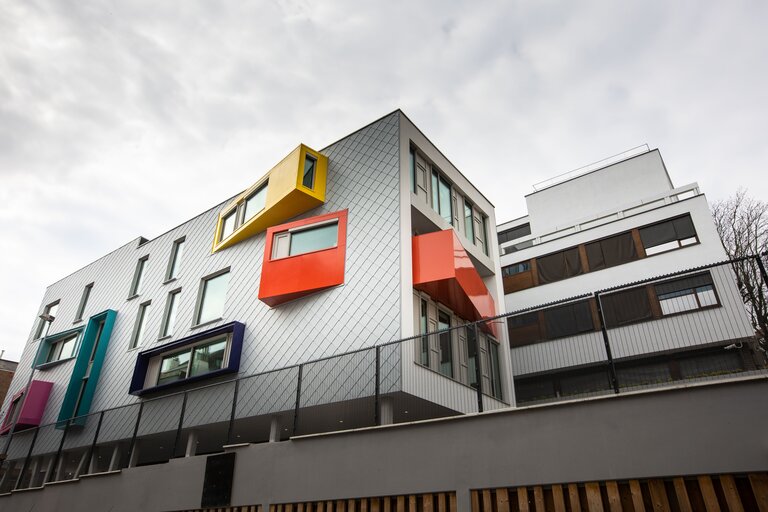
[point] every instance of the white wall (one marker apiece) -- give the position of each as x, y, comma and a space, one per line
604, 189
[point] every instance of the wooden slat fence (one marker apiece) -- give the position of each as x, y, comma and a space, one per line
705, 493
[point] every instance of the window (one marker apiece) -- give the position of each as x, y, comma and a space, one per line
626, 307
469, 224
514, 233
484, 241
524, 329
424, 353
84, 383
445, 345
516, 268
441, 196
668, 235
228, 224
138, 277
175, 262
171, 306
568, 320
83, 302
51, 309
694, 292
305, 239
193, 361
256, 202
610, 252
63, 348
412, 161
559, 265
213, 291
139, 328
493, 353
308, 180
472, 357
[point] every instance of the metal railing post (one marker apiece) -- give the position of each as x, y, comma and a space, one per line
478, 370
298, 401
26, 461
55, 466
92, 449
181, 425
377, 389
606, 341
233, 412
132, 446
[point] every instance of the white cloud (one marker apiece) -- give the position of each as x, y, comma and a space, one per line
120, 119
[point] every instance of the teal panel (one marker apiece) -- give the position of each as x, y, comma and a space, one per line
44, 348
80, 368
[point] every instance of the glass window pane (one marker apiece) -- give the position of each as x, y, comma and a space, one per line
178, 250
661, 248
678, 302
469, 225
140, 326
174, 367
212, 302
314, 239
495, 369
228, 225
471, 357
435, 192
139, 277
208, 358
67, 348
446, 349
413, 171
53, 309
170, 320
425, 340
445, 201
707, 296
309, 172
255, 203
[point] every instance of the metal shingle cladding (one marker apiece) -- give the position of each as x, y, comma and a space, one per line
363, 176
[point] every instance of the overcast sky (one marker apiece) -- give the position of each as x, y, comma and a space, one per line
120, 119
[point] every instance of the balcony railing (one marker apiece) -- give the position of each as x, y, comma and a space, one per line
687, 326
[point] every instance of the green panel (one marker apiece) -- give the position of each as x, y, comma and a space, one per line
81, 367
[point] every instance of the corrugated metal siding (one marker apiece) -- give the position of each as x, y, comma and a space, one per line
363, 176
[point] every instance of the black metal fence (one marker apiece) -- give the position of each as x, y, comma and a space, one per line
687, 326
683, 326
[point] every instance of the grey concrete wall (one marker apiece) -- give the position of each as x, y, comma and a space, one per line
704, 429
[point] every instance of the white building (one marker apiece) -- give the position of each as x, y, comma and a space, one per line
613, 226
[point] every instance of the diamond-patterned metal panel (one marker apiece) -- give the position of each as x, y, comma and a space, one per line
363, 176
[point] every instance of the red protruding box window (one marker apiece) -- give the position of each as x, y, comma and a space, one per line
28, 407
443, 269
286, 276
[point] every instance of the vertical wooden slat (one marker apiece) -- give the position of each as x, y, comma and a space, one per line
412, 503
681, 493
558, 498
387, 504
300, 507
351, 505
538, 498
594, 499
658, 495
328, 506
522, 499
502, 500
289, 507
708, 493
363, 504
614, 497
759, 483
731, 493
271, 508
375, 505
280, 508
487, 504
452, 502
441, 505
637, 496
400, 504
573, 497
319, 506
427, 502
340, 506
475, 501
309, 506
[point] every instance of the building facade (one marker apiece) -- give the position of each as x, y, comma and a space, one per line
664, 310
330, 252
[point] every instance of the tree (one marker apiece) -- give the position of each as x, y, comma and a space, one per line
742, 223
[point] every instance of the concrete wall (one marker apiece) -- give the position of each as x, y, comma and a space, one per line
607, 188
703, 429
